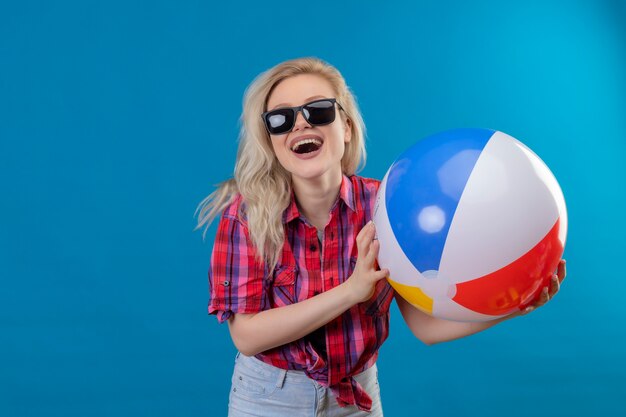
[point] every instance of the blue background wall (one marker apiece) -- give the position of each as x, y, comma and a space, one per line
116, 118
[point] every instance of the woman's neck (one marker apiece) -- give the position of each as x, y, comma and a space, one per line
316, 197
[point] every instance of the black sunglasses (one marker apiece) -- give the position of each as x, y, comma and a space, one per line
316, 113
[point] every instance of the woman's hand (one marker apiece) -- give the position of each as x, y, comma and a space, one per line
547, 293
365, 276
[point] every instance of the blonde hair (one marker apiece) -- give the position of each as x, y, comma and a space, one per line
263, 183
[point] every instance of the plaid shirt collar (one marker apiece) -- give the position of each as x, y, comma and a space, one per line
346, 193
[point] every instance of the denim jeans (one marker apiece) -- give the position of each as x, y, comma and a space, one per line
260, 389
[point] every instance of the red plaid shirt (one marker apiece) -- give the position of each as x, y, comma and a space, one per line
238, 283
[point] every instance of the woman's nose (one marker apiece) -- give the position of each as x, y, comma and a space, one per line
301, 122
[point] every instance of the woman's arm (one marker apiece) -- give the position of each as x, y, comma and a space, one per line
258, 332
431, 330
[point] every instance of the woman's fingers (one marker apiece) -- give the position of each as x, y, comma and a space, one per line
364, 238
372, 254
368, 251
383, 273
555, 281
561, 271
555, 285
550, 290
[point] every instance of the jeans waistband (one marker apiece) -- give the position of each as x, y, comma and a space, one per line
273, 372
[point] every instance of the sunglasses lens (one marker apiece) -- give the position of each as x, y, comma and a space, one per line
279, 121
320, 113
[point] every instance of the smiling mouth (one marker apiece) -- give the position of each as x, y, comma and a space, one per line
307, 146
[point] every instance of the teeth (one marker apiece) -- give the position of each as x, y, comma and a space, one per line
304, 142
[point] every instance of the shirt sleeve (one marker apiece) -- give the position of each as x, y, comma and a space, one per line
235, 275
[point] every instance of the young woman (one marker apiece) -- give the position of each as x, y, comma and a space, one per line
293, 268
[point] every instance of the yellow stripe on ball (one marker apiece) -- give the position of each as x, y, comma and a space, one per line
414, 296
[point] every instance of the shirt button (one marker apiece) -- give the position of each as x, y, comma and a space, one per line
313, 247
226, 283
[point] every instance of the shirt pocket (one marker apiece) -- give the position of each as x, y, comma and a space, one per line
283, 287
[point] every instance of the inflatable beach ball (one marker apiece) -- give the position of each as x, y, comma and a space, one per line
471, 224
